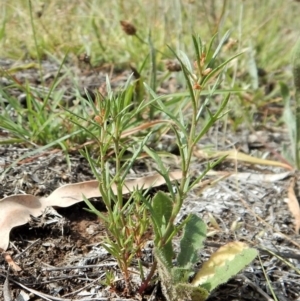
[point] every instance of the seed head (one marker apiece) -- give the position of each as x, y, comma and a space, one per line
128, 28
197, 87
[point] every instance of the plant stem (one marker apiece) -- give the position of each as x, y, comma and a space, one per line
145, 283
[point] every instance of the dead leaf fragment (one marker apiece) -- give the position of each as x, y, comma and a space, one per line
11, 263
7, 295
293, 205
15, 210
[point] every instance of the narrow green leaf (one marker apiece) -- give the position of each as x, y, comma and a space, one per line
181, 275
205, 79
93, 209
252, 68
224, 39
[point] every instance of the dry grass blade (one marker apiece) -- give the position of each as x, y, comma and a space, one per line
144, 126
238, 156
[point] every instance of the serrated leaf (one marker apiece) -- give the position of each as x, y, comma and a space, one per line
191, 242
226, 262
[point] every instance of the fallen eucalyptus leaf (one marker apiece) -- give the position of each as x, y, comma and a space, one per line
16, 210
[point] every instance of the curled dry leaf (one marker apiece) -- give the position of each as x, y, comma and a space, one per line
293, 205
16, 210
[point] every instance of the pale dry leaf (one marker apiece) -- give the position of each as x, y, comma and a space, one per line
252, 177
71, 194
293, 205
258, 178
16, 210
7, 295
238, 156
23, 296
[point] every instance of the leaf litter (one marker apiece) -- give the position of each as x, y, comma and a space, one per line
60, 251
16, 210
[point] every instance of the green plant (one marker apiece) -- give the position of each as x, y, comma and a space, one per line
39, 120
125, 238
164, 208
126, 219
109, 279
222, 265
80, 26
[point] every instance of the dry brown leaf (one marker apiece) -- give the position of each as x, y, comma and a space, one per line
11, 263
16, 210
293, 205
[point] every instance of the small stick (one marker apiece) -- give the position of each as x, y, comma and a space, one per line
254, 286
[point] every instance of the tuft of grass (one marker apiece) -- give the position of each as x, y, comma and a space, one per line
38, 120
93, 27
